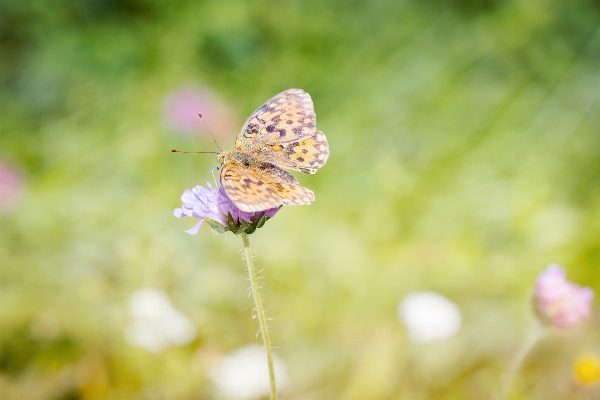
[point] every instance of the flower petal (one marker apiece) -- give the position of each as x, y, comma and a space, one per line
194, 230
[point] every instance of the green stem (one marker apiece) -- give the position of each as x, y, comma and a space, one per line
260, 312
532, 337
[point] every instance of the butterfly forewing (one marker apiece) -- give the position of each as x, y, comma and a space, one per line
287, 117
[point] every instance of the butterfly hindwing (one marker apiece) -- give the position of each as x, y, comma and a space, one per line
310, 154
306, 155
261, 186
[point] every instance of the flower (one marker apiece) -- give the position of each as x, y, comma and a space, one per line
156, 324
587, 369
11, 187
181, 108
429, 316
213, 204
243, 374
560, 302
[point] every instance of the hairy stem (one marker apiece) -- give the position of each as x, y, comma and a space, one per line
532, 337
260, 312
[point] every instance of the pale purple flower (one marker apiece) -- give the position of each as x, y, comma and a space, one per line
560, 302
181, 108
11, 187
201, 202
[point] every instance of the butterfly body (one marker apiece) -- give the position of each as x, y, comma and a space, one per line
279, 134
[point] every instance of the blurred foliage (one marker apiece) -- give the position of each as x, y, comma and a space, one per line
465, 155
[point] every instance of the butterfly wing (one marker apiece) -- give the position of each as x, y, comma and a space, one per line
287, 117
279, 134
262, 186
306, 155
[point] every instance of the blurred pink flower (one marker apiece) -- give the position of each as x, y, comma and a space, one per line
181, 108
560, 302
11, 186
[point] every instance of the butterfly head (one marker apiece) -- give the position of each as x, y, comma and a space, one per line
223, 157
236, 157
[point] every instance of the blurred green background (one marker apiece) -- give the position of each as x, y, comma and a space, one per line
465, 157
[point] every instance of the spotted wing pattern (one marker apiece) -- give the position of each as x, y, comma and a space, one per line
261, 186
287, 117
306, 155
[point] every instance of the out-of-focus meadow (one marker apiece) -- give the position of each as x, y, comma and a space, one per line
465, 157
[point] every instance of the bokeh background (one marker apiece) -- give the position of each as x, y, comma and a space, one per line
465, 157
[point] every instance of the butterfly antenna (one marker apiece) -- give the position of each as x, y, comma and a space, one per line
211, 134
194, 152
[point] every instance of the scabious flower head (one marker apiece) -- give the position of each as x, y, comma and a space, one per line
213, 205
560, 302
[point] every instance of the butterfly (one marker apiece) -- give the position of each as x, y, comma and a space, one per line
280, 134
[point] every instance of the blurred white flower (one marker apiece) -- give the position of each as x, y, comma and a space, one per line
156, 324
429, 316
243, 374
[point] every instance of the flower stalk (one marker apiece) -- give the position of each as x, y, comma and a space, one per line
531, 339
260, 312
